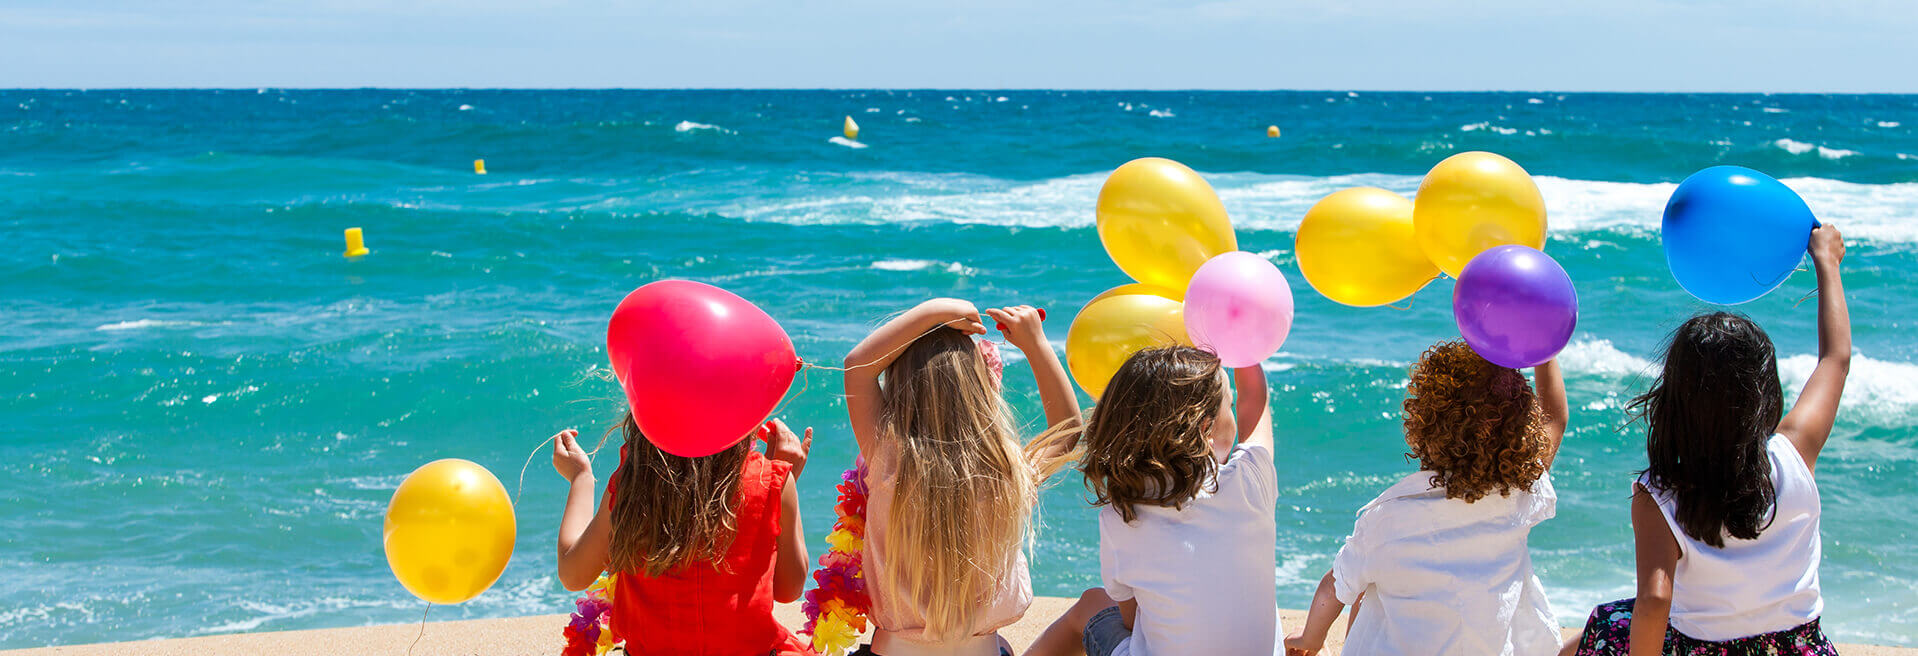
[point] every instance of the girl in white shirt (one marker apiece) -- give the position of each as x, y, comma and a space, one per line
1726, 515
1186, 529
1440, 559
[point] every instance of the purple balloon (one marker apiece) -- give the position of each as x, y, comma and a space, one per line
1515, 306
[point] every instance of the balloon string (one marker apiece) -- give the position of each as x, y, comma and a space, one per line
416, 639
1408, 300
805, 383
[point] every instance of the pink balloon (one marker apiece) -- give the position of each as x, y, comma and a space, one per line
701, 366
1238, 306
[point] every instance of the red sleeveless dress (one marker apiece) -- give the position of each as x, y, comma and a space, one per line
700, 610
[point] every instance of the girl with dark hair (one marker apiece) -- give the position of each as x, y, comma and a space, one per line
1726, 513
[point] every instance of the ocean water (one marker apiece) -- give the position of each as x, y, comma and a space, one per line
204, 408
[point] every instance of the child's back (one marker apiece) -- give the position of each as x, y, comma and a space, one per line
1186, 530
701, 548
1439, 562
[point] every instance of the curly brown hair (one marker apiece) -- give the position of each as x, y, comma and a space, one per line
1146, 443
1475, 425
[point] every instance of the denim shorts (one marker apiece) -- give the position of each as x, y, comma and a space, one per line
1105, 631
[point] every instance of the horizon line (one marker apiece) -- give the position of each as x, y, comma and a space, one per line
993, 89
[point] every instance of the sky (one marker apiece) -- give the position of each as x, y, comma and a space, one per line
1436, 45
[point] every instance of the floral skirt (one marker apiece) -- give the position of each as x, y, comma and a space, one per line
1609, 632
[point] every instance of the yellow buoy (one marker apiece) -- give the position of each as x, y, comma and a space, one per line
852, 129
355, 245
479, 166
1272, 131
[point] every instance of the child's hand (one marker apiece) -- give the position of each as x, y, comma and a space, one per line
1297, 645
782, 444
1827, 246
1022, 325
568, 459
955, 313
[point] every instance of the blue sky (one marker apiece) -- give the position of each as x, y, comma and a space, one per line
1622, 45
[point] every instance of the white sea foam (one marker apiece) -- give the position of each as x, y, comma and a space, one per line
1888, 124
846, 142
1160, 113
1793, 147
142, 324
1487, 126
1534, 101
1599, 358
1875, 390
921, 265
466, 108
689, 126
1259, 201
1775, 110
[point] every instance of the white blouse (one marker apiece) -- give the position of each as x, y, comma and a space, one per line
1443, 576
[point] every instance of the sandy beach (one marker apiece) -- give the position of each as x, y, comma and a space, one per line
540, 634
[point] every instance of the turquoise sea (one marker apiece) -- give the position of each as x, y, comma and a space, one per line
204, 408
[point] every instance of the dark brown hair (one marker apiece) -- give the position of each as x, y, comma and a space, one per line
672, 511
1146, 443
1707, 420
1475, 425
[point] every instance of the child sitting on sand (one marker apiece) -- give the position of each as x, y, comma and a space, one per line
1186, 532
702, 546
1726, 513
951, 493
1440, 558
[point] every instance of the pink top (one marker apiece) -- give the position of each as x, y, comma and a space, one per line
900, 627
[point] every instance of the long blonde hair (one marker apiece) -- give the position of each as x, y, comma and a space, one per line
672, 511
964, 496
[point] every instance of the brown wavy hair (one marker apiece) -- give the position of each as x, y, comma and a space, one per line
1475, 425
1146, 443
672, 511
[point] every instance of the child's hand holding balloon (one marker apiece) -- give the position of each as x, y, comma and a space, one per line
1022, 325
782, 444
568, 459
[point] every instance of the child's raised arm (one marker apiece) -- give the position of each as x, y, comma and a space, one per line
879, 349
1808, 424
1254, 406
1023, 325
1551, 400
585, 537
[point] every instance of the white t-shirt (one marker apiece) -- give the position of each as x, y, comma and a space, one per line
1442, 576
1752, 587
1202, 574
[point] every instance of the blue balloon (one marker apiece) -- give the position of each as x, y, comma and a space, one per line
1733, 234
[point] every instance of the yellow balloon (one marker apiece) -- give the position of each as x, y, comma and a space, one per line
1109, 330
1357, 247
449, 531
1138, 288
1473, 201
1159, 221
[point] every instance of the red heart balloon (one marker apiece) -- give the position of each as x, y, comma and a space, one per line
701, 366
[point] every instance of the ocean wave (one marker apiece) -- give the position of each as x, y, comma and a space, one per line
1888, 124
689, 126
1876, 390
1800, 148
921, 265
1272, 202
1160, 113
142, 324
842, 141
1488, 127
1598, 357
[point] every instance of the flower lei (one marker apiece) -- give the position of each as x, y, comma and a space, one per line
836, 609
589, 633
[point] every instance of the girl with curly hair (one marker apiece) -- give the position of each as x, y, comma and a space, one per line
1440, 558
1186, 480
1726, 512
